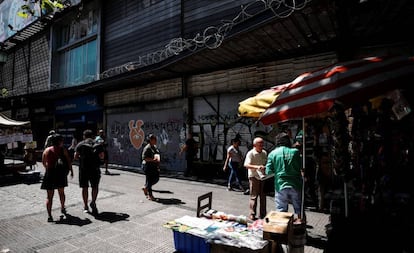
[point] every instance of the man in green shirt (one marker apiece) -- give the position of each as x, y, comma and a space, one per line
285, 163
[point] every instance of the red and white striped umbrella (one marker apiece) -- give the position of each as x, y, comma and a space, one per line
348, 82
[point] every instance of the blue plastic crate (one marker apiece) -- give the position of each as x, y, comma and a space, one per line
188, 243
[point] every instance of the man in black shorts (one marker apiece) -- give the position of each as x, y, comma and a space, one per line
89, 154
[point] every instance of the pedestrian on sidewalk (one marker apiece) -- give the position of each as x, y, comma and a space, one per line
151, 166
190, 148
48, 141
89, 155
255, 163
73, 144
285, 162
57, 164
100, 139
233, 161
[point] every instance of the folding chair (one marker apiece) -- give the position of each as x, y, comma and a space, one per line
206, 206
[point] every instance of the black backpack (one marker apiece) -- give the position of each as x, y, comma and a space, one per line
89, 156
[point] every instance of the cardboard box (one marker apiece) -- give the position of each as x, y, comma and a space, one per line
277, 222
276, 226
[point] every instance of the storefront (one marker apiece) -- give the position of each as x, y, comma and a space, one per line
74, 115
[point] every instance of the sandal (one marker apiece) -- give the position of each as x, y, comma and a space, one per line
144, 189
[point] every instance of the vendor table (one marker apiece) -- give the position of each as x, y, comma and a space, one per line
228, 233
194, 234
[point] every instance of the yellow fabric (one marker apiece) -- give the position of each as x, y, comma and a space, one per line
254, 106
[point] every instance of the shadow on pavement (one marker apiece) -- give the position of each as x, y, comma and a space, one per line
73, 220
316, 242
111, 216
170, 201
162, 191
111, 174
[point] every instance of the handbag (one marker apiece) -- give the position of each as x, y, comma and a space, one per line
62, 164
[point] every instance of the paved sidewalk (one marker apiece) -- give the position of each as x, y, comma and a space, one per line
127, 221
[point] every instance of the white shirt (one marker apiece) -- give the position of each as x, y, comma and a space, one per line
255, 158
235, 154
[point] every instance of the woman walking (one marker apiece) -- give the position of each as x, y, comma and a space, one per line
151, 166
58, 164
233, 160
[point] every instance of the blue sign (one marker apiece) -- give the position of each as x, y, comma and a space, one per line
76, 105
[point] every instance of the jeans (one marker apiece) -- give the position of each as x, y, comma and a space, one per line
233, 174
286, 196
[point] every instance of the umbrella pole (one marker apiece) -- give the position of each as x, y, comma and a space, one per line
346, 199
303, 167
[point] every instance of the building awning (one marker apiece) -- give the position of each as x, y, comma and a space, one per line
5, 121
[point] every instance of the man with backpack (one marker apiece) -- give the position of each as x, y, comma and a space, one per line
89, 154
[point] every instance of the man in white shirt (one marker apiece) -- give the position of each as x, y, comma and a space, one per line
255, 163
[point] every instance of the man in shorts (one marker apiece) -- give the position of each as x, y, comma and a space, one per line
88, 153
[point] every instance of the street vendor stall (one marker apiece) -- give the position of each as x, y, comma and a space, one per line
215, 234
360, 111
13, 134
215, 231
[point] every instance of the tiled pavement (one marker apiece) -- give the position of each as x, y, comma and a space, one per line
127, 221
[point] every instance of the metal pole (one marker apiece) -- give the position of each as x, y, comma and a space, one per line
303, 167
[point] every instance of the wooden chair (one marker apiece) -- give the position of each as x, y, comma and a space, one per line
201, 205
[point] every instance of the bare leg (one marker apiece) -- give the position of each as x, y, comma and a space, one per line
106, 168
85, 197
49, 202
94, 194
62, 197
93, 201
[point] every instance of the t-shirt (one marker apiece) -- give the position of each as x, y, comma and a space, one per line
286, 164
89, 154
149, 152
255, 158
235, 154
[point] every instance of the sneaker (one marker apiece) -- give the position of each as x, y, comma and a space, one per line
150, 197
86, 209
50, 219
63, 210
246, 192
93, 207
229, 189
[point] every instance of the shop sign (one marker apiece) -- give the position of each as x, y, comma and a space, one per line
76, 105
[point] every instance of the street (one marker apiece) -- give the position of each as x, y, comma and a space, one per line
127, 222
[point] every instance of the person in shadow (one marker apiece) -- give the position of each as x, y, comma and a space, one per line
151, 166
190, 148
